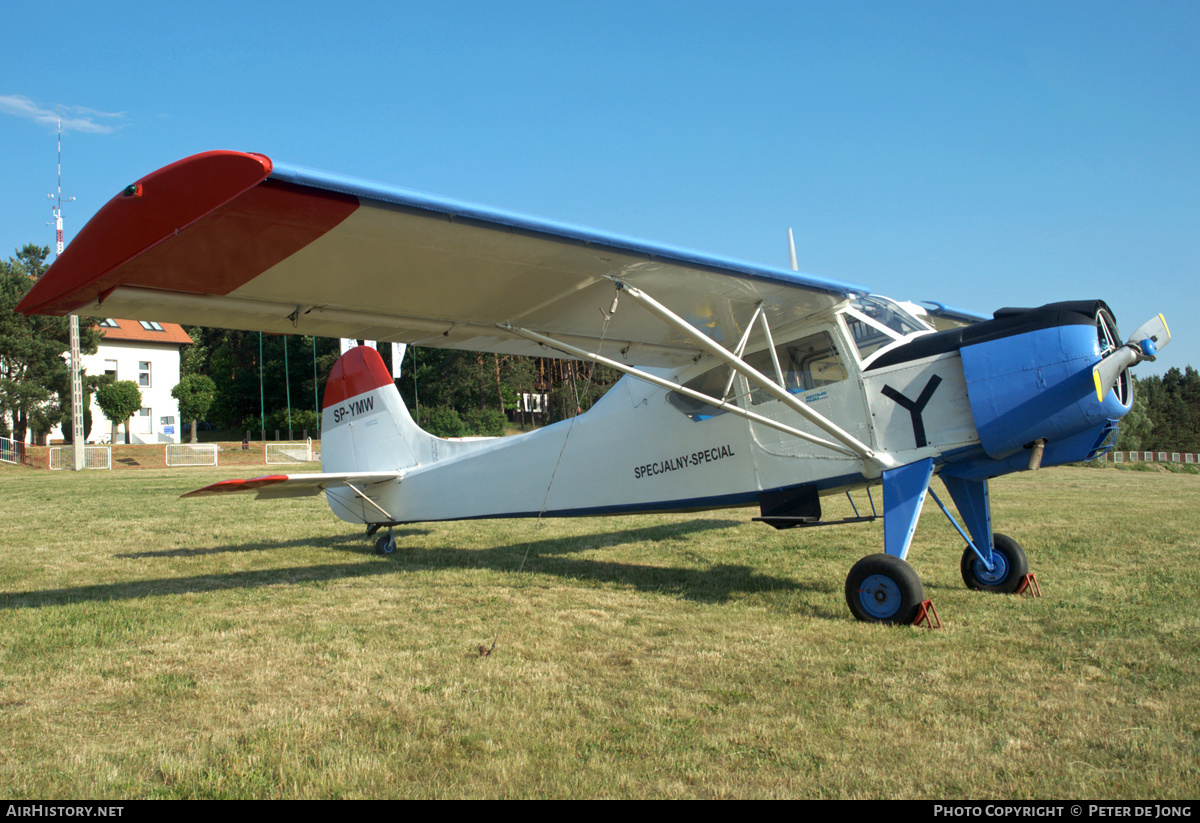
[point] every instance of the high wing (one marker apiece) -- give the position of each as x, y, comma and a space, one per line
234, 240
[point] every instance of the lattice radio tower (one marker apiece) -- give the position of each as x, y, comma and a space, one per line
77, 444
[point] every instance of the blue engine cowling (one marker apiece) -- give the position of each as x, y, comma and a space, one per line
1029, 377
1035, 382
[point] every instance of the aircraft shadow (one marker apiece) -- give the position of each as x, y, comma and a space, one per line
715, 583
339, 542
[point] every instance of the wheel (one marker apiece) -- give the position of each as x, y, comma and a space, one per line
386, 544
1010, 562
884, 589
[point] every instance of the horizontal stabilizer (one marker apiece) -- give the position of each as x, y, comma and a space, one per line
294, 485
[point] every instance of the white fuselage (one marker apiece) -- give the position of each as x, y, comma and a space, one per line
635, 451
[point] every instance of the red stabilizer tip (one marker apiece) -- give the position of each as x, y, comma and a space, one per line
229, 486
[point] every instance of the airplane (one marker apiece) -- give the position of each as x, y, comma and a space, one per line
744, 384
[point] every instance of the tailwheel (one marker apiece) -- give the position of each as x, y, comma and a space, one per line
386, 544
884, 589
1009, 567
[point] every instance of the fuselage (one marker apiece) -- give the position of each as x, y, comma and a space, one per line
971, 399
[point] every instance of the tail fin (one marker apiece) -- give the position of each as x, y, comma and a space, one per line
364, 424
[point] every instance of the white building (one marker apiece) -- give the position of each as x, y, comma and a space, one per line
148, 354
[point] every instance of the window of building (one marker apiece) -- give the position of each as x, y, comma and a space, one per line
150, 325
108, 323
144, 373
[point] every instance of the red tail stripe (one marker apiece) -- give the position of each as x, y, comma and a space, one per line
359, 370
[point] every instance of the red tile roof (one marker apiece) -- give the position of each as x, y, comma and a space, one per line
132, 330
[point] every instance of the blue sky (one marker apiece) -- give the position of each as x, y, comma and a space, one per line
983, 154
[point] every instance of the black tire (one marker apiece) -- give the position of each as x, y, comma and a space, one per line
1011, 567
386, 544
884, 589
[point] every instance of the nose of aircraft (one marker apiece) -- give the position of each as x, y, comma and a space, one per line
1057, 373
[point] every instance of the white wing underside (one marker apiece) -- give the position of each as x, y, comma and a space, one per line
395, 265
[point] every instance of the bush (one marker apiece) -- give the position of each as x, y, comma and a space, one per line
486, 422
442, 421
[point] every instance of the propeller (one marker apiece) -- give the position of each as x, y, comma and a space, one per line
1143, 344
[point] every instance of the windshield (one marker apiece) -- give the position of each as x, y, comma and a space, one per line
876, 322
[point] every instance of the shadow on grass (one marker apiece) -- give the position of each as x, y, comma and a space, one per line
545, 557
352, 541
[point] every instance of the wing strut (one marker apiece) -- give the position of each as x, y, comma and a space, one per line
776, 390
369, 500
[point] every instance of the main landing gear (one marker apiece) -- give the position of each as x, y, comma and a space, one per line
1009, 567
884, 589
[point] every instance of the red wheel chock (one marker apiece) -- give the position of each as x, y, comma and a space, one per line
928, 614
1029, 586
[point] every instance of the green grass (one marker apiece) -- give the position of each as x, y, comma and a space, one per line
157, 647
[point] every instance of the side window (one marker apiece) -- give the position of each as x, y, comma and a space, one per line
712, 383
807, 364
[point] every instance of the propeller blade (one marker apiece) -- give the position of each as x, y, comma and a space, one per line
1107, 372
1151, 335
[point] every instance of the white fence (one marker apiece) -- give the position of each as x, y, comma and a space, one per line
10, 450
1150, 457
94, 457
289, 452
191, 454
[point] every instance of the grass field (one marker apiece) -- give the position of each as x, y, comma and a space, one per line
157, 647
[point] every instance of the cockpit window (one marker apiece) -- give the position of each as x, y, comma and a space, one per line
876, 322
807, 364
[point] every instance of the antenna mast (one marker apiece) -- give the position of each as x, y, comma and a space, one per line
77, 445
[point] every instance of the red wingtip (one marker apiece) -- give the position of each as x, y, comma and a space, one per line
206, 224
141, 216
359, 370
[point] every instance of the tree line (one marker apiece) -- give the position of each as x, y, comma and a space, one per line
1165, 415
258, 380
35, 382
